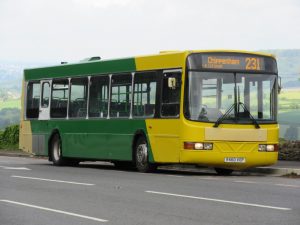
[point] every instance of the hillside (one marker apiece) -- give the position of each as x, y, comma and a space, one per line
288, 66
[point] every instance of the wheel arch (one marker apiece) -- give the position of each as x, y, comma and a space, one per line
141, 133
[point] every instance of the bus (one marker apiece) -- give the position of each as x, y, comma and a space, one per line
210, 108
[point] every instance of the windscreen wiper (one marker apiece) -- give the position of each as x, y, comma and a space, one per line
229, 110
254, 121
225, 115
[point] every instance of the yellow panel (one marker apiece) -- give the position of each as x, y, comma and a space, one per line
164, 139
226, 146
216, 159
230, 134
25, 133
176, 59
239, 143
160, 61
25, 140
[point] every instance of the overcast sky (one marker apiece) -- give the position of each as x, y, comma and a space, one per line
70, 30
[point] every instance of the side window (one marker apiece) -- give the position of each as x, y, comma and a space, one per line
171, 87
45, 95
59, 98
78, 98
120, 95
144, 94
33, 99
98, 106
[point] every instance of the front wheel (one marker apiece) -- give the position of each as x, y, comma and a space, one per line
142, 157
223, 172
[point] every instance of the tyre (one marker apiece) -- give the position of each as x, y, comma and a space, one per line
142, 157
56, 151
223, 172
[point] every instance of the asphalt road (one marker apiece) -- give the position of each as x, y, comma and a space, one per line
34, 192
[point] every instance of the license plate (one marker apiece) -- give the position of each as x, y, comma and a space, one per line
235, 160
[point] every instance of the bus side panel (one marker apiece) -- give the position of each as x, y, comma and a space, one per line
164, 139
95, 139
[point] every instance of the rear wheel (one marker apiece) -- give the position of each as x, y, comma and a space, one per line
223, 172
56, 151
142, 157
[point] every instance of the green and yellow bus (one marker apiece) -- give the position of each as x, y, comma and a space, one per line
210, 108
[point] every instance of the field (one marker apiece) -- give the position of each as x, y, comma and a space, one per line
289, 106
289, 99
13, 103
289, 114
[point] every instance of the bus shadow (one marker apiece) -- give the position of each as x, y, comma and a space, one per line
162, 170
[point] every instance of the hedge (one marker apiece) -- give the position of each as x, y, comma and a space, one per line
9, 138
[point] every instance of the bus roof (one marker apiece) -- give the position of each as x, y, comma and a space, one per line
165, 59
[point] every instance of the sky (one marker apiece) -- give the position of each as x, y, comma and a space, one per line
71, 30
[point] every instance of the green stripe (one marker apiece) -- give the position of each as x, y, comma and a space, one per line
87, 68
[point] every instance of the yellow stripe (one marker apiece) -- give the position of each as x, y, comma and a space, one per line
161, 61
25, 142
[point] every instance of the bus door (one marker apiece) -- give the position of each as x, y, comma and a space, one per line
164, 130
44, 109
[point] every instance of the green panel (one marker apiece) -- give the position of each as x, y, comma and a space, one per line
94, 139
87, 68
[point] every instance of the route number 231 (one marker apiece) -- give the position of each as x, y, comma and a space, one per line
252, 63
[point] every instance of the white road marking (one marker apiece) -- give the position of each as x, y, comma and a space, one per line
58, 181
245, 181
208, 178
14, 168
54, 210
218, 200
288, 185
169, 175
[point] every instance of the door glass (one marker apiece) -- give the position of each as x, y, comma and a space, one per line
45, 95
171, 95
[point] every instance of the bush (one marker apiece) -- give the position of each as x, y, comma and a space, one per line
10, 137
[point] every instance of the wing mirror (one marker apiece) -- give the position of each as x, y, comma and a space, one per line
279, 85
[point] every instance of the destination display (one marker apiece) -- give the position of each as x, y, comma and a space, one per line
224, 61
233, 62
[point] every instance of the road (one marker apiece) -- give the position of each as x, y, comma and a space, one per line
34, 192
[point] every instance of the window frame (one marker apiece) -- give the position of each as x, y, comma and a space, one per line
157, 81
108, 76
53, 81
131, 74
87, 97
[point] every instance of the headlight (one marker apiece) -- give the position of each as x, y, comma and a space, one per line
198, 146
268, 148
